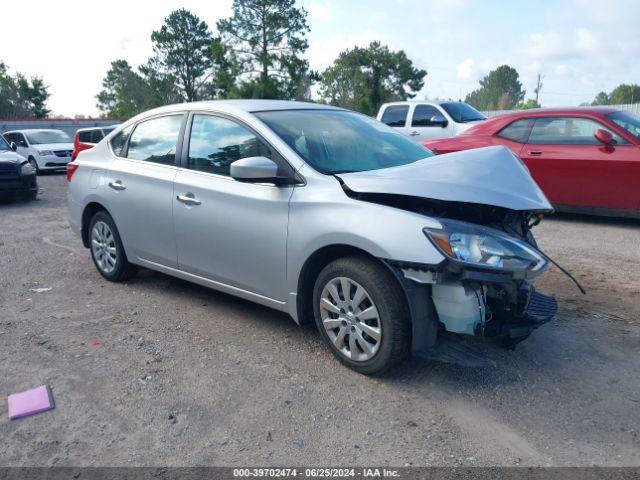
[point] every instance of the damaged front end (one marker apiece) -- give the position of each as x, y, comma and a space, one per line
486, 203
483, 289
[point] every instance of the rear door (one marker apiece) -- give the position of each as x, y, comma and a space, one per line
574, 169
230, 232
139, 185
422, 128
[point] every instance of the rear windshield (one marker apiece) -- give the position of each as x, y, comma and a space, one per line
462, 112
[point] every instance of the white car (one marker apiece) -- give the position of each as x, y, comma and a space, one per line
420, 120
46, 150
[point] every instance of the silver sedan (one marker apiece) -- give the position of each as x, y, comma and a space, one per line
324, 214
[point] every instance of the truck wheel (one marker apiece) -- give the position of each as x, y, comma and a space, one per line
362, 314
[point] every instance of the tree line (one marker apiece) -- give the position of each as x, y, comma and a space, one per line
258, 52
21, 96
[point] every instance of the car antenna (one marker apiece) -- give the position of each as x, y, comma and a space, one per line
584, 292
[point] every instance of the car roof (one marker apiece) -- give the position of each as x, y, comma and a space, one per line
422, 102
251, 106
541, 112
97, 127
34, 130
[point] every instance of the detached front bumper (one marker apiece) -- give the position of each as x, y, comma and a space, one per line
452, 308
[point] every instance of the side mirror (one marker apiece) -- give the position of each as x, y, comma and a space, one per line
605, 138
439, 120
255, 170
13, 146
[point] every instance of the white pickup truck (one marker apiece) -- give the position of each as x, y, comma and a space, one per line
421, 120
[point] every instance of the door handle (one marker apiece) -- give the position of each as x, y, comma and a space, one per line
117, 185
535, 153
414, 133
188, 199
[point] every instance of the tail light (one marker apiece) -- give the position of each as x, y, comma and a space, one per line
71, 169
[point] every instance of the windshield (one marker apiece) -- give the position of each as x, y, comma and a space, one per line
335, 141
3, 144
37, 137
626, 120
462, 112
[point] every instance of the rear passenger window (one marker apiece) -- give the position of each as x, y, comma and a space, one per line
216, 143
395, 115
120, 140
517, 131
155, 140
96, 135
422, 115
85, 136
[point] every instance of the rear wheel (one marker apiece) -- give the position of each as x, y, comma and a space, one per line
362, 314
106, 248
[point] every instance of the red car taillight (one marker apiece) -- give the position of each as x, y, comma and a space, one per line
71, 169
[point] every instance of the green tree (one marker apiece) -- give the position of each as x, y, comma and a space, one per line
268, 38
124, 93
602, 98
624, 94
183, 52
362, 79
21, 96
531, 103
500, 89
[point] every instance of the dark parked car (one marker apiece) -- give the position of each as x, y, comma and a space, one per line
17, 176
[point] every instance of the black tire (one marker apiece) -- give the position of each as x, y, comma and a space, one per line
390, 301
31, 196
123, 270
34, 164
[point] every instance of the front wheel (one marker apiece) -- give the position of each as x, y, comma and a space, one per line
34, 164
106, 248
362, 314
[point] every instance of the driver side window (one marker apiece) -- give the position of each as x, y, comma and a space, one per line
568, 131
216, 142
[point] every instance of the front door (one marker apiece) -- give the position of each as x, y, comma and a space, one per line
573, 168
227, 231
422, 128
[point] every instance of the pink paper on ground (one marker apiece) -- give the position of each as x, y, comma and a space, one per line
30, 402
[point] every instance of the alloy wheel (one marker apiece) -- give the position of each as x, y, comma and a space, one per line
103, 246
350, 319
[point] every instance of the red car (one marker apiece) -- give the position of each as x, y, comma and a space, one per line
86, 138
584, 159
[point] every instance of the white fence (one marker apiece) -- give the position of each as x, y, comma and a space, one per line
631, 107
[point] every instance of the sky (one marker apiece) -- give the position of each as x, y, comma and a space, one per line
580, 47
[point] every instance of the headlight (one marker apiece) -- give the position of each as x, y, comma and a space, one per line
27, 169
484, 247
44, 153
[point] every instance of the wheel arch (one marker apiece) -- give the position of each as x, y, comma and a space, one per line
311, 269
87, 214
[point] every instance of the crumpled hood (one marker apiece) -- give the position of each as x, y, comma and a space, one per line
489, 176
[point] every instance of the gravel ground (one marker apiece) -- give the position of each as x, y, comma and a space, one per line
157, 371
